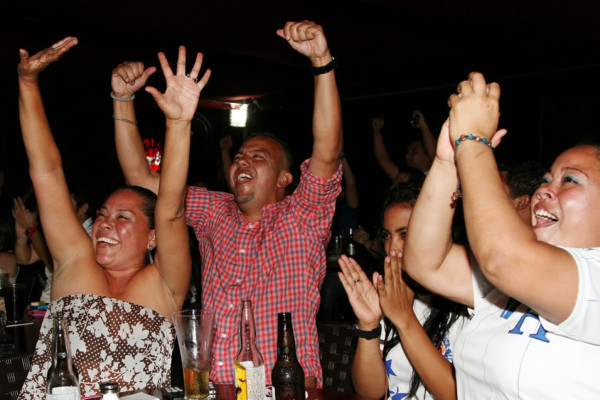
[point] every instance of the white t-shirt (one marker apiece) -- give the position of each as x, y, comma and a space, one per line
398, 367
506, 351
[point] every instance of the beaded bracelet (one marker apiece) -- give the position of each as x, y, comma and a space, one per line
458, 193
470, 136
125, 99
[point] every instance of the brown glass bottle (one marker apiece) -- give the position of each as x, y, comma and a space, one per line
287, 376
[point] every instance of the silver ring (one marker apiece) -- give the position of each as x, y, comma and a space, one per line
188, 76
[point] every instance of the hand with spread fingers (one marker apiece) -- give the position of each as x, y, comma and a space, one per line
180, 100
361, 293
128, 77
308, 39
395, 296
22, 215
30, 67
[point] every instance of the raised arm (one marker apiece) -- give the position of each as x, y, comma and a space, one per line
63, 230
351, 188
540, 275
127, 78
430, 257
429, 140
178, 103
382, 156
308, 39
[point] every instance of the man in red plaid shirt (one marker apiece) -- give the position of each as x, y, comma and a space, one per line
258, 244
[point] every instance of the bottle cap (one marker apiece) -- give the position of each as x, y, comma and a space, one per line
109, 387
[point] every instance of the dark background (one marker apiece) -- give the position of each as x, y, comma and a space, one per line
394, 57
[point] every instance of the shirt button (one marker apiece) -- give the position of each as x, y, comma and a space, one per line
223, 335
242, 251
238, 280
220, 363
230, 305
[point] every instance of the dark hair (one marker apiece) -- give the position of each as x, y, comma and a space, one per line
148, 197
81, 195
524, 178
443, 313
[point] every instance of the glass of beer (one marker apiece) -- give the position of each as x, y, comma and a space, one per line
194, 330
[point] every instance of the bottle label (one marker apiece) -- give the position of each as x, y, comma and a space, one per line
64, 393
255, 381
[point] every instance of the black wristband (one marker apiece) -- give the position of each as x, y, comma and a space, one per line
374, 334
325, 68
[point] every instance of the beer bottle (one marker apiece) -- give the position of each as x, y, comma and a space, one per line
249, 365
351, 248
287, 375
62, 382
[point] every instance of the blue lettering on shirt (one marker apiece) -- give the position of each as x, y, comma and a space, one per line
511, 306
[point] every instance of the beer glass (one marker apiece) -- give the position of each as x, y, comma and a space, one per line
194, 330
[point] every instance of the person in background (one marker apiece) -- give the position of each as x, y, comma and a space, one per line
520, 182
533, 287
256, 243
81, 204
418, 157
117, 291
419, 330
31, 246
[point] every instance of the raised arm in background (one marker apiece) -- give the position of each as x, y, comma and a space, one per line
382, 156
429, 141
351, 188
307, 38
178, 103
127, 78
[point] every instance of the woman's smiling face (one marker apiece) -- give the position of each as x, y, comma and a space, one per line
566, 207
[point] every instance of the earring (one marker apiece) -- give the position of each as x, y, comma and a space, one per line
150, 248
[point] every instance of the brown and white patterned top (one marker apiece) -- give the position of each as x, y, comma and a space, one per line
111, 340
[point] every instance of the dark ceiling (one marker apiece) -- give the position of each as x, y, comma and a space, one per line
382, 46
392, 55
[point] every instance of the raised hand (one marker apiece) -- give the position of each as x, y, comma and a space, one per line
308, 39
417, 118
395, 296
128, 77
22, 215
30, 67
475, 108
361, 293
377, 124
226, 143
180, 100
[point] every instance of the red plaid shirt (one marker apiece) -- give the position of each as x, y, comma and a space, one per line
278, 262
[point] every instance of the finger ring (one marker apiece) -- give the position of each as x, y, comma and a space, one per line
356, 281
188, 76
